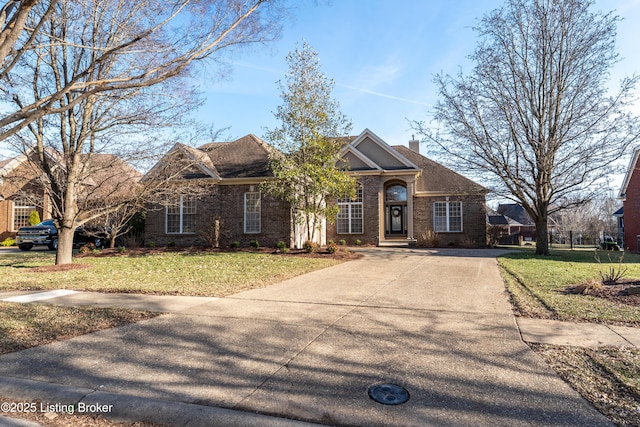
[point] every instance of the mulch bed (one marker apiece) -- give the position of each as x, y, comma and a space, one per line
624, 292
341, 254
56, 268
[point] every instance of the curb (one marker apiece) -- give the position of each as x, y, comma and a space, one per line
128, 408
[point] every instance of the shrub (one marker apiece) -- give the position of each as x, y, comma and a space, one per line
332, 248
254, 244
358, 242
171, 244
310, 246
34, 218
151, 244
342, 242
9, 241
431, 239
614, 275
122, 249
281, 245
330, 242
235, 245
88, 248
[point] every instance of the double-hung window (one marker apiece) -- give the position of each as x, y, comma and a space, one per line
181, 215
350, 216
447, 217
252, 213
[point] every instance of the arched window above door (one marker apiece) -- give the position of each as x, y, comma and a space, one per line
396, 193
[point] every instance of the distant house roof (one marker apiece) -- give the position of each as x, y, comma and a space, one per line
619, 212
438, 178
515, 212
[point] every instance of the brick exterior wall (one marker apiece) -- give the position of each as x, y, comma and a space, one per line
474, 221
19, 181
371, 223
632, 212
226, 203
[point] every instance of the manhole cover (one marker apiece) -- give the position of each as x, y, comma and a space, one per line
389, 394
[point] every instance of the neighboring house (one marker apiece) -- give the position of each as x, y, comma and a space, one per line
21, 191
20, 194
630, 195
400, 196
619, 215
514, 223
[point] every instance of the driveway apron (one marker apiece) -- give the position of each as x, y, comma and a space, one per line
437, 323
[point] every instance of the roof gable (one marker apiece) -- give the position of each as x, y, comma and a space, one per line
369, 152
516, 213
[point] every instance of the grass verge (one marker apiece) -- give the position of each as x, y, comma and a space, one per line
29, 325
608, 377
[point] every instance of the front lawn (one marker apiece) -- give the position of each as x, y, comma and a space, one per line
538, 285
215, 274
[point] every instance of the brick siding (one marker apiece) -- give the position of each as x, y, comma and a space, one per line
226, 203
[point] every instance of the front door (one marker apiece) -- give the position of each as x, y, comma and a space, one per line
396, 213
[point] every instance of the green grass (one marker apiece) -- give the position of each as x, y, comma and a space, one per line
536, 285
178, 273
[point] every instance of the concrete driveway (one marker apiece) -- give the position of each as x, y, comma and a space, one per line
436, 323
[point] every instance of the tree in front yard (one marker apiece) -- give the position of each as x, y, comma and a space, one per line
535, 115
310, 138
99, 84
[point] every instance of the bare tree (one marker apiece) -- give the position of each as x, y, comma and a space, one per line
534, 116
101, 79
15, 37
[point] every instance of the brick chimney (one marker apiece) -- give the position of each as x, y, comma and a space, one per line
414, 144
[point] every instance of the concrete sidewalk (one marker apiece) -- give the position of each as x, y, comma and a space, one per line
541, 331
437, 324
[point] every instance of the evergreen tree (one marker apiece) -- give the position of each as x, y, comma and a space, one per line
310, 138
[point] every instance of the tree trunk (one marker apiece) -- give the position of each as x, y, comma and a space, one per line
542, 235
64, 253
112, 241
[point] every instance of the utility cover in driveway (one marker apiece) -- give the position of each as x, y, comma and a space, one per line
389, 394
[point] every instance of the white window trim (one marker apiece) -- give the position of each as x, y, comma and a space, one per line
259, 212
448, 217
349, 205
13, 212
181, 216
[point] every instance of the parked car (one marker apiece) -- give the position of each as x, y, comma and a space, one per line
46, 234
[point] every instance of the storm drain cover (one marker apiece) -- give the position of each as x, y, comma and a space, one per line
389, 394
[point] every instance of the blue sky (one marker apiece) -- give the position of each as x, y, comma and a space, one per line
382, 56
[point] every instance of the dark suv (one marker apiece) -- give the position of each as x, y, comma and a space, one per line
46, 234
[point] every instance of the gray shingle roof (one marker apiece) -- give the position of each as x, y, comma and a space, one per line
515, 212
436, 177
247, 157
